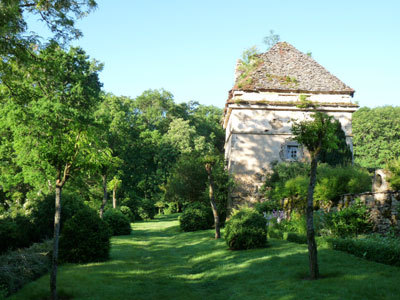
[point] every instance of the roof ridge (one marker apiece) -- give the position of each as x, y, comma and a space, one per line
283, 67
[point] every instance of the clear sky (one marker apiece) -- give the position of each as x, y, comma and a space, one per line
190, 48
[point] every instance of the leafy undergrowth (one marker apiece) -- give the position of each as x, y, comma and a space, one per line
158, 261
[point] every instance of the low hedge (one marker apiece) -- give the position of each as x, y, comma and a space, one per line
375, 248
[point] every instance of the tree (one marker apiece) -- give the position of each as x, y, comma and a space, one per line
342, 155
316, 135
58, 15
210, 161
376, 135
113, 185
271, 39
49, 108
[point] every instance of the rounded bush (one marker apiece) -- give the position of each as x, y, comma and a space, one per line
84, 238
118, 223
128, 213
246, 229
195, 217
146, 209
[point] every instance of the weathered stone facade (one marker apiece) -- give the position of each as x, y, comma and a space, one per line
259, 116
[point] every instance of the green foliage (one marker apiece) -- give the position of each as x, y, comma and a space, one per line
290, 181
187, 181
249, 63
15, 232
274, 186
246, 229
336, 181
349, 221
295, 190
271, 39
267, 206
146, 209
196, 216
296, 223
41, 213
316, 134
118, 223
126, 211
394, 178
376, 134
376, 248
341, 155
85, 238
24, 265
296, 238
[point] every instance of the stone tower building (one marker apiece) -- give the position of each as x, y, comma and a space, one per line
262, 106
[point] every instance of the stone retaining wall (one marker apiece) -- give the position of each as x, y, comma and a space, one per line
383, 206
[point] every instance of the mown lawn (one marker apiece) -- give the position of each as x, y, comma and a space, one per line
157, 261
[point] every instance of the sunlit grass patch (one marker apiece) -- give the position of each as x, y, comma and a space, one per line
158, 261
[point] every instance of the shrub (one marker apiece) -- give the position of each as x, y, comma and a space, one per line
85, 238
295, 191
349, 221
296, 223
196, 216
336, 181
126, 211
41, 212
16, 232
267, 206
375, 248
118, 223
246, 230
22, 266
296, 238
146, 209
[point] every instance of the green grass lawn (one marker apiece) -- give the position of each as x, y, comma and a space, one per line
157, 261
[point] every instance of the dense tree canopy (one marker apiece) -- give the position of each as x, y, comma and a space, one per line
376, 135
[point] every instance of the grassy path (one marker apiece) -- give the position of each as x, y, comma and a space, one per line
157, 261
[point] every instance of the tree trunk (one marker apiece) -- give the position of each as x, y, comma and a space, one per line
57, 217
312, 246
212, 202
105, 195
114, 201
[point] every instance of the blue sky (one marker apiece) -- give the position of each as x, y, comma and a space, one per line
190, 48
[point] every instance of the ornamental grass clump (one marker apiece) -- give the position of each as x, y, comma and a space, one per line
247, 229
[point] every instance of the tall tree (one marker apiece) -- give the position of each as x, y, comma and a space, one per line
316, 135
49, 109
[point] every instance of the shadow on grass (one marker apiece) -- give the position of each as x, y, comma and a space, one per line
157, 261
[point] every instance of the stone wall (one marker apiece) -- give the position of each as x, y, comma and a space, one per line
383, 204
383, 207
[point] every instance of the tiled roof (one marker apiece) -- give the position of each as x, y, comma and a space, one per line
284, 68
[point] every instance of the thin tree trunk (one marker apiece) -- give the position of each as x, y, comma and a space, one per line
57, 218
105, 195
212, 202
312, 246
114, 201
